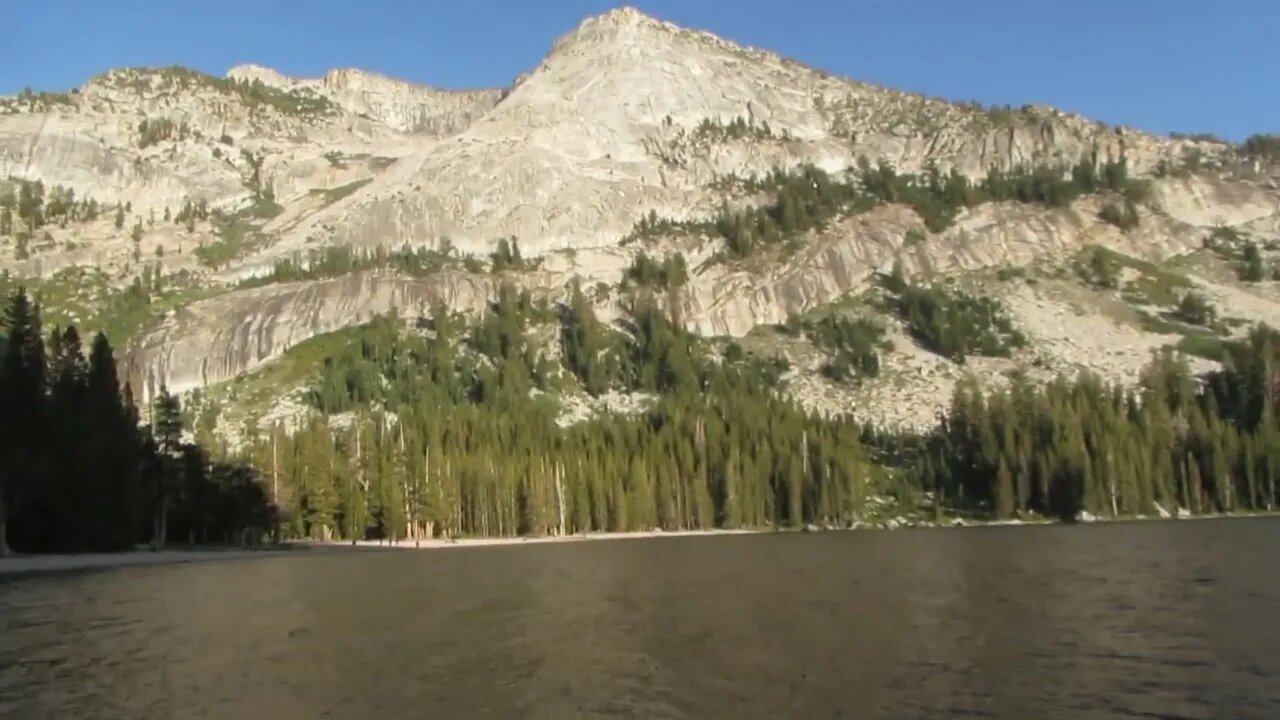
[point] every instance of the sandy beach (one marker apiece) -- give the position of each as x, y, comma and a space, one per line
440, 544
24, 564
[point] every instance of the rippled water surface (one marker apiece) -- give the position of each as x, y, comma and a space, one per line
1169, 620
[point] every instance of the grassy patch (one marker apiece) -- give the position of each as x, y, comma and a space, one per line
254, 393
1165, 325
1206, 346
1154, 286
1011, 272
123, 318
85, 298
1159, 287
71, 296
1196, 340
332, 195
237, 233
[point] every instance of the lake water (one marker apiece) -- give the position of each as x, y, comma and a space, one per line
1166, 620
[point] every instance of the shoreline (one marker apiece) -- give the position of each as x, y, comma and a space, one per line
18, 565
24, 565
466, 542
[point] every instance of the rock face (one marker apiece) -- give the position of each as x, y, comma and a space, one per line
397, 104
246, 328
219, 338
626, 115
92, 142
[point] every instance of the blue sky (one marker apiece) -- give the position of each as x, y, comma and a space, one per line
1161, 65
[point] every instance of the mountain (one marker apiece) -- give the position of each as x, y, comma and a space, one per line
257, 211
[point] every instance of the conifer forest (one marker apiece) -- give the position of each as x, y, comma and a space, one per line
442, 426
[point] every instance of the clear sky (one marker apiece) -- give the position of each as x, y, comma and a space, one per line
1161, 65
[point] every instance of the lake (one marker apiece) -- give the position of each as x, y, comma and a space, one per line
1155, 619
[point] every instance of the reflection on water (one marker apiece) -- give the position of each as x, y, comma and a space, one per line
1170, 620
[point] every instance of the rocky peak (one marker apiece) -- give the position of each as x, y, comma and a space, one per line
357, 79
615, 30
406, 106
625, 17
266, 75
398, 104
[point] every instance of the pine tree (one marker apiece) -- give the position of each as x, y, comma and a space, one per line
731, 490
68, 504
1254, 269
641, 500
1194, 486
618, 518
71, 456
795, 492
22, 436
112, 449
1004, 491
166, 428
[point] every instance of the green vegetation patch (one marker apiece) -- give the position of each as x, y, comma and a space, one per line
36, 101
27, 206
1203, 333
1085, 446
716, 130
238, 233
253, 93
853, 344
506, 256
1243, 254
809, 198
1210, 347
338, 260
332, 195
254, 393
952, 323
1102, 267
86, 298
1263, 146
155, 130
1166, 302
670, 272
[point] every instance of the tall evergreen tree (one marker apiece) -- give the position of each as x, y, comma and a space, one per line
23, 437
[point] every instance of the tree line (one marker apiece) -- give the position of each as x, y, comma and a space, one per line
450, 431
952, 323
338, 260
29, 204
79, 473
1263, 146
1081, 446
809, 197
449, 427
669, 272
155, 130
447, 430
1243, 253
